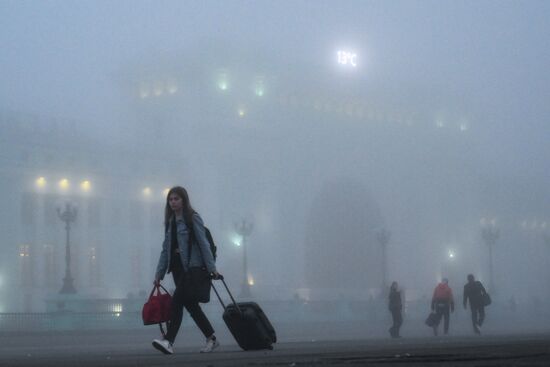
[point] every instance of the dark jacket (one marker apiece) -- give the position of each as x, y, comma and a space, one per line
395, 300
473, 291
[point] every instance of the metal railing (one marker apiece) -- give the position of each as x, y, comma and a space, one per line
59, 321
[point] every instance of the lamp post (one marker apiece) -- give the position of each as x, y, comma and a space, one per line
244, 229
383, 238
67, 216
490, 234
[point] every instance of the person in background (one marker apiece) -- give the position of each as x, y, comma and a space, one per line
474, 292
395, 306
442, 303
185, 247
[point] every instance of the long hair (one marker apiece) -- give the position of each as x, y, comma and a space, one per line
188, 210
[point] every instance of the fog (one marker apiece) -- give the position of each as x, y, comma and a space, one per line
436, 129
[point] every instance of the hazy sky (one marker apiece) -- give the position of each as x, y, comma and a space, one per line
60, 57
63, 58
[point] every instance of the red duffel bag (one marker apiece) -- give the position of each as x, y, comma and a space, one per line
158, 308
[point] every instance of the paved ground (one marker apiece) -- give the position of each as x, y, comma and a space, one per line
134, 349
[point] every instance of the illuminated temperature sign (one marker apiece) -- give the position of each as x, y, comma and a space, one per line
347, 58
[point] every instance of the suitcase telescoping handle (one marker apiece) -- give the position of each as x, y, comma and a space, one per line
228, 292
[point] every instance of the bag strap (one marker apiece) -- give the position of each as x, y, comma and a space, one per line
157, 288
151, 295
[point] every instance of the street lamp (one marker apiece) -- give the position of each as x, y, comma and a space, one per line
67, 216
383, 238
490, 234
244, 229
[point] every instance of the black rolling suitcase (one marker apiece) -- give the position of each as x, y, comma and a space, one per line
248, 323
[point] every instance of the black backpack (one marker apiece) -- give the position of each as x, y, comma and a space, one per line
213, 247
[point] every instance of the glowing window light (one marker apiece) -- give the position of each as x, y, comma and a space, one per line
40, 182
236, 240
158, 89
259, 89
117, 307
143, 92
24, 250
165, 191
241, 112
451, 254
64, 184
146, 191
223, 83
85, 185
171, 88
250, 280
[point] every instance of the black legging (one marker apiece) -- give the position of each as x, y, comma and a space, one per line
442, 311
478, 315
194, 309
397, 321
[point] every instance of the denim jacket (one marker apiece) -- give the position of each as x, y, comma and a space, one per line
196, 259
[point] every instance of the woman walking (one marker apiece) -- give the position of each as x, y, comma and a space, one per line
186, 254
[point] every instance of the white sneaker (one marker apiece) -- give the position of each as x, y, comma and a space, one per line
163, 345
210, 346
